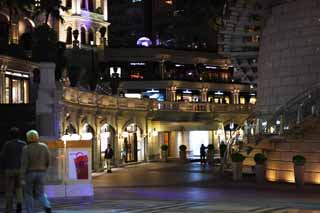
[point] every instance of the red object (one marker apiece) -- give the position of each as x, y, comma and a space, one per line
81, 162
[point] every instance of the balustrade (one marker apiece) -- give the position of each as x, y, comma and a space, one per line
76, 96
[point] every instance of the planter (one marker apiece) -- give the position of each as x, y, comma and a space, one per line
164, 156
299, 175
183, 156
260, 170
237, 171
210, 157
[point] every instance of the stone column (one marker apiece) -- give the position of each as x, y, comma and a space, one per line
105, 10
74, 6
204, 94
235, 96
46, 102
162, 69
78, 7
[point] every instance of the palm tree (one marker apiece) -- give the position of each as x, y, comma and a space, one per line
49, 8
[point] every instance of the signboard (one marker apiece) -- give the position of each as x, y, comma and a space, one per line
78, 165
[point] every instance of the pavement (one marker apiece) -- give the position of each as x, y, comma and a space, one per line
174, 187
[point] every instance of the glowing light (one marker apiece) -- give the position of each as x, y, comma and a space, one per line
278, 122
144, 42
86, 136
219, 93
154, 132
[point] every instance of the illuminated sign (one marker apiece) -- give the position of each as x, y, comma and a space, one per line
137, 63
187, 92
144, 42
219, 93
114, 70
152, 91
211, 67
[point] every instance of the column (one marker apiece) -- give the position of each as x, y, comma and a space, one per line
235, 96
162, 69
74, 6
171, 93
204, 95
46, 102
78, 7
105, 10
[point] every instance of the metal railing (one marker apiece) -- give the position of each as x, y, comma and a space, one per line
294, 112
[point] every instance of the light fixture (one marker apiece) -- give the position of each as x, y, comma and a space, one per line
91, 43
154, 132
278, 122
231, 125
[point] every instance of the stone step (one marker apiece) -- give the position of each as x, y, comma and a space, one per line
298, 147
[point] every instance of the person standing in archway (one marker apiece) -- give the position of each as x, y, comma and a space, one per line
108, 155
203, 154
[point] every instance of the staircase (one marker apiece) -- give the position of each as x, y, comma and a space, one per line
294, 129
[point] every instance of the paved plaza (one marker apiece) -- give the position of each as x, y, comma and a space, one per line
162, 187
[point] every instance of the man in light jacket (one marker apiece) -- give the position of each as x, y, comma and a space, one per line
34, 164
11, 163
108, 155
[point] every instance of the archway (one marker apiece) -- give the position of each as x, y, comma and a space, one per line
107, 136
133, 143
4, 30
25, 27
69, 35
83, 33
90, 36
87, 133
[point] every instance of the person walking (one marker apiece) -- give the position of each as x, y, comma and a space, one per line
108, 155
11, 163
203, 154
34, 164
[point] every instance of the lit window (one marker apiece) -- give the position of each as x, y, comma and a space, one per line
242, 100
253, 100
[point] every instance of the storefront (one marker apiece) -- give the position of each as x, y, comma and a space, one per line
16, 87
133, 147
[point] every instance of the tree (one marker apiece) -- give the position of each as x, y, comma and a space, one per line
50, 8
44, 43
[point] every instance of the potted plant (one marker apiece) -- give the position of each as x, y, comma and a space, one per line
237, 159
260, 167
299, 162
164, 152
223, 148
183, 153
210, 154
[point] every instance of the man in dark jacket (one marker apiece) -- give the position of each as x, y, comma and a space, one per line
108, 155
11, 162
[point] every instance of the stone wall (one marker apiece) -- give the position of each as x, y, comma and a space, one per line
289, 57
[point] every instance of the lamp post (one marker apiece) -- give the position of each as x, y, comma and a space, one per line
92, 78
64, 138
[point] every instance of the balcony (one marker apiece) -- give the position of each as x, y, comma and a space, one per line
90, 99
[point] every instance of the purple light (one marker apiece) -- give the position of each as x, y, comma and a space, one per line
144, 42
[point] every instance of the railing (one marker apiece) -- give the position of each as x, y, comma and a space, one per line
291, 114
75, 96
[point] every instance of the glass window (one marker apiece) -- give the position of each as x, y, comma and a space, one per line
242, 100
16, 90
7, 91
26, 91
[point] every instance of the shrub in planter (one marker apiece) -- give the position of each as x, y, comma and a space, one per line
183, 148
211, 154
222, 148
237, 159
299, 162
164, 152
260, 167
183, 154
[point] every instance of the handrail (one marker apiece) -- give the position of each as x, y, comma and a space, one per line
294, 111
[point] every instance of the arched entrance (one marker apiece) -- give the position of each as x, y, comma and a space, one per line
87, 133
25, 33
133, 143
107, 136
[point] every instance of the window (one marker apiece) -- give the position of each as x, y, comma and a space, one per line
83, 35
69, 35
69, 3
16, 89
